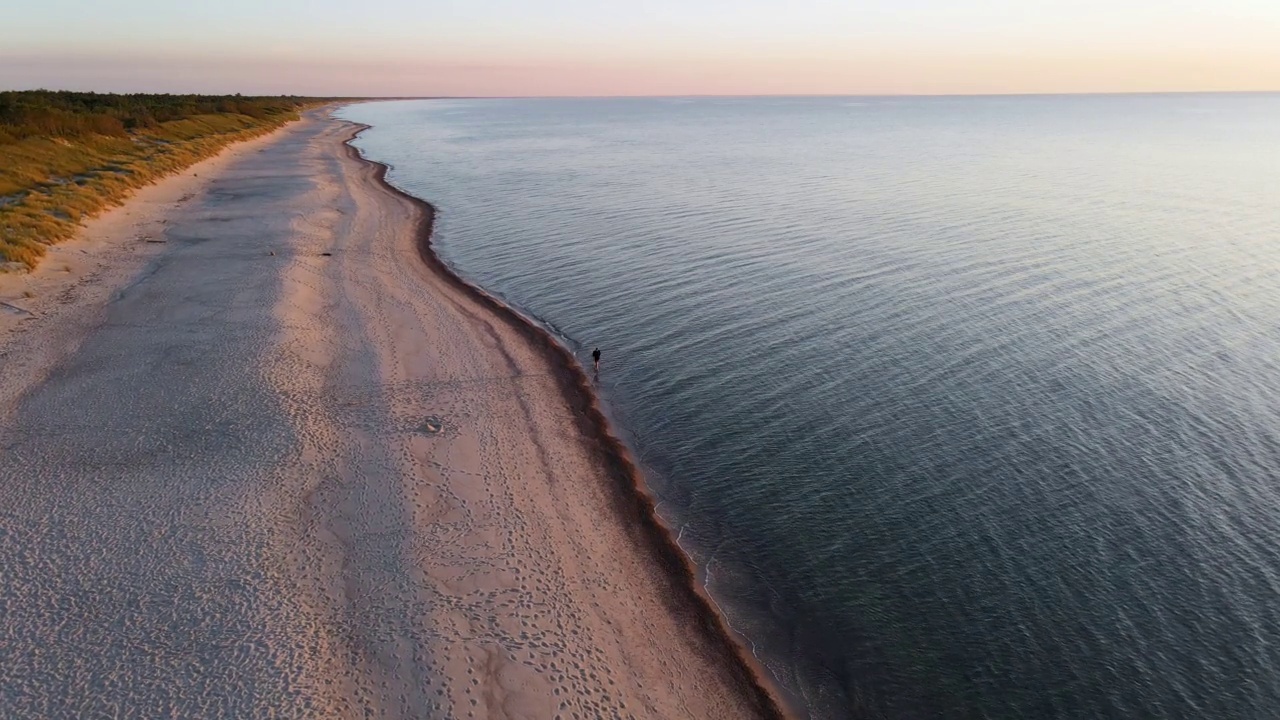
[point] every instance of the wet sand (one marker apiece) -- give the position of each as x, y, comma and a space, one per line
290, 469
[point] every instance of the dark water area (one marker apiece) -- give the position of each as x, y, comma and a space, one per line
970, 407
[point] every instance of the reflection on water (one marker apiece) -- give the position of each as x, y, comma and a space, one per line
971, 407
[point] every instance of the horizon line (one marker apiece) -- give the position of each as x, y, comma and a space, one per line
656, 96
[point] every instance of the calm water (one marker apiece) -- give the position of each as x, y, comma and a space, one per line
970, 407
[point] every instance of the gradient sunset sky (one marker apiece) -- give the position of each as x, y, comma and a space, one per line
659, 47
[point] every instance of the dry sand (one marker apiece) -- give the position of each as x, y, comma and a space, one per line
45, 313
278, 466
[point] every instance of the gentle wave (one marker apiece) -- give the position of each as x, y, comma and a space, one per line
975, 403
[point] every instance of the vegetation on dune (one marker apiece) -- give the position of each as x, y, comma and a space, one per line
67, 156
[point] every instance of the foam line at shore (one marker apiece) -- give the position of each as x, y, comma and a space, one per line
632, 497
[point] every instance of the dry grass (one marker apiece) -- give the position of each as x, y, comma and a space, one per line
49, 185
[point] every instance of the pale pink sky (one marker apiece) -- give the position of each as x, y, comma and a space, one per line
576, 47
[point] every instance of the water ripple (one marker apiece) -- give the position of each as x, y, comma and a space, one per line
974, 402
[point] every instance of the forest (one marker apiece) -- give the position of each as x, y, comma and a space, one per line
36, 113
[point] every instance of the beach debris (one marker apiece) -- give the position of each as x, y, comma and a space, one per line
15, 309
433, 425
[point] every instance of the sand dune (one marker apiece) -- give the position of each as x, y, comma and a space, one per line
291, 471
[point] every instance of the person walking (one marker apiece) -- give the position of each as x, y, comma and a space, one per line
595, 355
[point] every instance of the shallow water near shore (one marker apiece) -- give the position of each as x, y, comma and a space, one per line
969, 407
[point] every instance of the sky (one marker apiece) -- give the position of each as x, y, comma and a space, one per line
649, 47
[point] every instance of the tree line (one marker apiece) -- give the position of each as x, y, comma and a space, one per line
48, 113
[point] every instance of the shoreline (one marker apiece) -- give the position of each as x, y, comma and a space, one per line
367, 487
631, 495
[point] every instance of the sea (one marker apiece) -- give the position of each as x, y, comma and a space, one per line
965, 407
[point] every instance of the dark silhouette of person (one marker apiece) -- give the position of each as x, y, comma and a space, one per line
595, 355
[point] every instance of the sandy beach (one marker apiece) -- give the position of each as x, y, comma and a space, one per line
262, 456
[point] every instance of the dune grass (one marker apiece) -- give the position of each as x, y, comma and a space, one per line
65, 157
